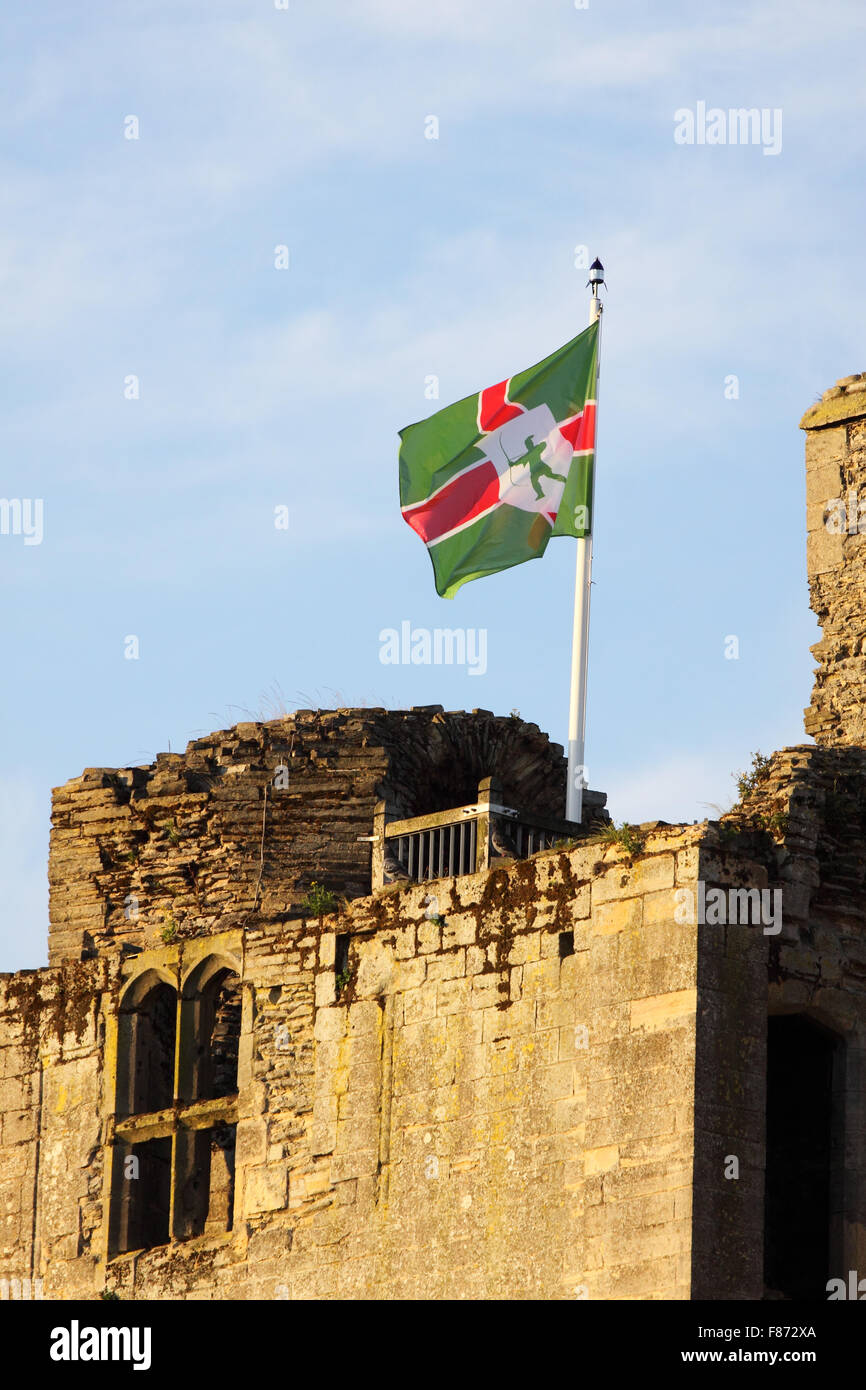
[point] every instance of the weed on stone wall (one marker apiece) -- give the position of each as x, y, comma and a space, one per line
319, 901
626, 835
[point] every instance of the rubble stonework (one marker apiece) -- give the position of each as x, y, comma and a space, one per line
247, 818
560, 1076
836, 560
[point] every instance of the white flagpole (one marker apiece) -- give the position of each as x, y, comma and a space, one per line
580, 632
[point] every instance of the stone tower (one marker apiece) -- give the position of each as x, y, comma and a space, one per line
556, 1061
836, 559
246, 818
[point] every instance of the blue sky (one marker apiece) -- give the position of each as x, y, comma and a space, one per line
408, 257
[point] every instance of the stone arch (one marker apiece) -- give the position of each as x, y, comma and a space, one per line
147, 1043
828, 1008
197, 976
136, 988
210, 1029
145, 1083
436, 761
208, 1070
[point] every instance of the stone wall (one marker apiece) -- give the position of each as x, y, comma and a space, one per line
52, 1098
527, 1082
502, 1095
836, 560
247, 818
817, 964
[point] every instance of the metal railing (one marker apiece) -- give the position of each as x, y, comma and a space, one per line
464, 840
438, 852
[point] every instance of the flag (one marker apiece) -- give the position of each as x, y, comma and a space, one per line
486, 482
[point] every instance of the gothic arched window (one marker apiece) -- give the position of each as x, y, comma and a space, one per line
176, 1107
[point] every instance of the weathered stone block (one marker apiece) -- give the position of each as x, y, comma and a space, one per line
266, 1189
447, 967
429, 936
618, 915
540, 976
330, 1024
485, 991
662, 1010
409, 974
459, 929
251, 1142
419, 1003
525, 947
326, 993
375, 970
600, 1160
364, 1018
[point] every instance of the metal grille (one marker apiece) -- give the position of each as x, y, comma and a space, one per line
447, 851
529, 839
443, 852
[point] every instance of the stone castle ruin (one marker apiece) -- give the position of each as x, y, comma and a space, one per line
339, 1007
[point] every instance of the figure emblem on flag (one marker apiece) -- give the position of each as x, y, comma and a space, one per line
521, 485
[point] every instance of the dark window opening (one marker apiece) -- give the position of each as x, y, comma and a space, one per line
206, 1181
142, 1186
341, 954
218, 1037
221, 1196
802, 1143
566, 944
148, 1040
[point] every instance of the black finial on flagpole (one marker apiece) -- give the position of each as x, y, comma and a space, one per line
596, 275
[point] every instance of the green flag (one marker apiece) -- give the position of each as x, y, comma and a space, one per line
487, 482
